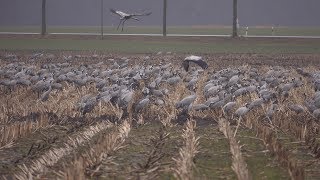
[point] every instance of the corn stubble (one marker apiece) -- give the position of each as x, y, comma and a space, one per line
95, 155
184, 163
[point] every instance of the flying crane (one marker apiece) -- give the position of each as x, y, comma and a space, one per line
125, 16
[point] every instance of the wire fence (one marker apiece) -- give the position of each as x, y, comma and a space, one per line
185, 17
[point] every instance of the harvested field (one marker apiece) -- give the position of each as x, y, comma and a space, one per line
90, 115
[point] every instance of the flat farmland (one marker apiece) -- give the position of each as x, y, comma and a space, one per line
108, 114
147, 44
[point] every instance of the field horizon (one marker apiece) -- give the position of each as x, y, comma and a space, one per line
146, 44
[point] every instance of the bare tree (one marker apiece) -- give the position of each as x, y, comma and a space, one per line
235, 17
44, 23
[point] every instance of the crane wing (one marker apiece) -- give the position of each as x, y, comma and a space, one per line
142, 14
185, 65
114, 12
201, 63
119, 13
195, 59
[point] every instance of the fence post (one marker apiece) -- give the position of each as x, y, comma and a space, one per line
164, 25
44, 23
235, 17
102, 19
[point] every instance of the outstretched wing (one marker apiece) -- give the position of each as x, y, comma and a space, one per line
142, 14
114, 11
119, 13
201, 63
195, 59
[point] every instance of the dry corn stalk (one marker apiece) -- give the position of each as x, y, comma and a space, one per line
21, 129
90, 161
184, 163
52, 156
239, 166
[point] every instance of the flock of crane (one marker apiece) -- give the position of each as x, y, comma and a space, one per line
117, 81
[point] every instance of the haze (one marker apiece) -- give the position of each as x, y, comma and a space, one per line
180, 12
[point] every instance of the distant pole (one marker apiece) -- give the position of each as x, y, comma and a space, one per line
235, 17
247, 29
238, 25
272, 31
164, 25
44, 23
102, 19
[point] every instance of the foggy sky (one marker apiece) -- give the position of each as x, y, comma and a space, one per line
180, 12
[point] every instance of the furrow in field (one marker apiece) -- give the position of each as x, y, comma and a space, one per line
259, 160
291, 138
276, 148
300, 152
147, 153
213, 161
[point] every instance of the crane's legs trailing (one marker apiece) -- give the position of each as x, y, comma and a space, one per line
119, 25
123, 25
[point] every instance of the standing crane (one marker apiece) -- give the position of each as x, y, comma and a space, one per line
124, 16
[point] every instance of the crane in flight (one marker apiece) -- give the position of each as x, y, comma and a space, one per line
194, 59
125, 16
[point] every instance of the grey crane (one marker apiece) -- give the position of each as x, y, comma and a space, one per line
240, 112
125, 16
173, 80
272, 109
157, 93
200, 107
228, 107
125, 98
185, 102
212, 91
316, 113
41, 86
194, 59
87, 104
256, 103
233, 80
240, 92
296, 108
142, 104
212, 100
218, 104
45, 95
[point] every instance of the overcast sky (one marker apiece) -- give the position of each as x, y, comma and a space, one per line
180, 12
